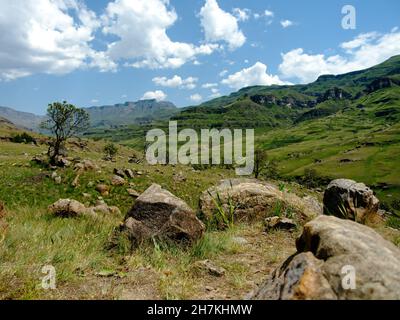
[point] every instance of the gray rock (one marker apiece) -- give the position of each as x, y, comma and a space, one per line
117, 181
348, 199
326, 246
158, 213
252, 200
68, 208
119, 173
210, 267
274, 223
129, 173
133, 193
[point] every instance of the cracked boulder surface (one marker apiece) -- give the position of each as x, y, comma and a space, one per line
327, 248
157, 213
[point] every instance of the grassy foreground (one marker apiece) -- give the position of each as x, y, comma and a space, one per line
88, 267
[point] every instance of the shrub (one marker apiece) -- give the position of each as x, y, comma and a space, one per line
23, 138
110, 150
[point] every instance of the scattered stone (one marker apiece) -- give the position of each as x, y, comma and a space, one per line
71, 208
61, 161
38, 159
326, 246
133, 193
139, 173
86, 195
179, 177
252, 200
119, 172
103, 189
210, 267
274, 223
129, 173
58, 180
103, 208
85, 165
67, 208
117, 181
75, 183
158, 213
348, 199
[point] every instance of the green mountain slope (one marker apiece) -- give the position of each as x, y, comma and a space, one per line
339, 126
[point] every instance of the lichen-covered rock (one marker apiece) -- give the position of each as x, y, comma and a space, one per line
158, 213
348, 199
328, 246
253, 199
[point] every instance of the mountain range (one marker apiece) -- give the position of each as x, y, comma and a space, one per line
139, 112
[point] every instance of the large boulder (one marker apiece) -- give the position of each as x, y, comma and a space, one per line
86, 165
327, 250
253, 199
158, 213
348, 199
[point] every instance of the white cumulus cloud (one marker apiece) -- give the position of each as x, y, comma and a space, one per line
241, 14
157, 95
176, 82
286, 23
254, 75
209, 85
45, 36
196, 97
364, 51
220, 25
141, 27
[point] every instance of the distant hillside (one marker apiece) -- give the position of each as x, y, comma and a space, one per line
139, 112
281, 106
21, 119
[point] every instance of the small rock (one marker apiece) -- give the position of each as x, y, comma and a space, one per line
117, 181
75, 183
58, 180
133, 193
210, 267
86, 195
119, 173
273, 223
129, 173
103, 189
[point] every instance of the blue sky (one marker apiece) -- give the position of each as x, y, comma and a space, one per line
98, 52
